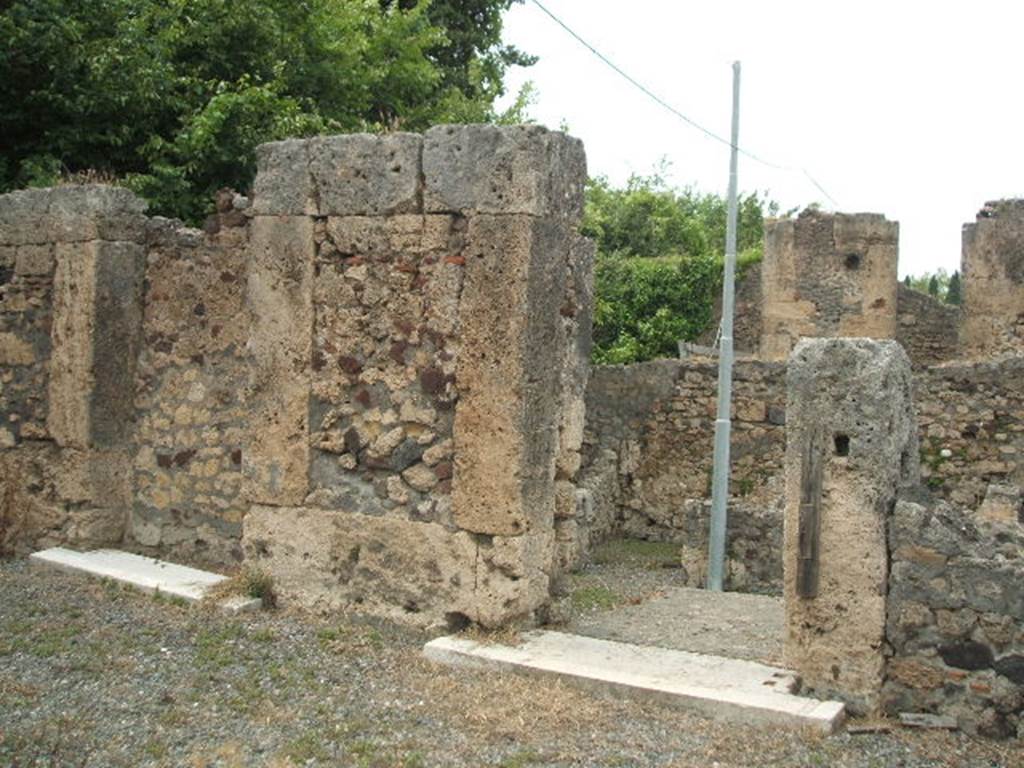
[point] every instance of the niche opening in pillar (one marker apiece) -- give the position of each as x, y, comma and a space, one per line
842, 445
852, 261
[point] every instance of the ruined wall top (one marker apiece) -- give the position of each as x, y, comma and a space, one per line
448, 169
70, 214
826, 275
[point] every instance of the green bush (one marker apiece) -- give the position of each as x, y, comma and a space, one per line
659, 263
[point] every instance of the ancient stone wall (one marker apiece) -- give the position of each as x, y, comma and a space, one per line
926, 327
827, 275
369, 381
992, 264
191, 416
955, 614
71, 276
650, 429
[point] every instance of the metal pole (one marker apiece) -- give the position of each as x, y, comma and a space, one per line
720, 480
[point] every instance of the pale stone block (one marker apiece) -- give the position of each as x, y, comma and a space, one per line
280, 293
512, 169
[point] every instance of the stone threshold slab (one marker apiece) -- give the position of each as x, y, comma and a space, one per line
143, 573
712, 686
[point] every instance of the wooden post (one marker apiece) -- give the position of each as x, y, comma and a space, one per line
810, 517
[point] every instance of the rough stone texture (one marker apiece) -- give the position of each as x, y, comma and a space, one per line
366, 175
827, 275
192, 376
327, 364
992, 264
508, 374
386, 336
70, 333
956, 617
489, 169
926, 327
971, 424
859, 390
280, 296
647, 461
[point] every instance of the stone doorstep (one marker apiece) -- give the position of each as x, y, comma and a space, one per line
711, 686
143, 573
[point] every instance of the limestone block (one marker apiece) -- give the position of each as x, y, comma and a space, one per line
507, 374
35, 260
854, 397
280, 294
284, 184
513, 576
71, 214
491, 169
366, 175
95, 337
1003, 503
414, 573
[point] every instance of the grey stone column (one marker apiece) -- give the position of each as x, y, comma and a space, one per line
851, 443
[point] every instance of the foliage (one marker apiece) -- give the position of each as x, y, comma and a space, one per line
954, 291
939, 284
659, 262
174, 95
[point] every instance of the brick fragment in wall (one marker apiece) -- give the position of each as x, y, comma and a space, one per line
506, 417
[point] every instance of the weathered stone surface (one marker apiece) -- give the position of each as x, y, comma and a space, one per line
284, 184
962, 619
855, 395
1004, 503
96, 338
506, 417
71, 214
280, 293
366, 174
491, 169
827, 275
992, 265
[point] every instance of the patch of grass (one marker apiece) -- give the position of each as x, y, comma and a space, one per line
41, 640
594, 598
522, 758
347, 638
251, 581
165, 599
637, 552
216, 647
307, 747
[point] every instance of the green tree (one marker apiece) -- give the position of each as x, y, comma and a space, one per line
906, 281
933, 286
954, 290
174, 95
659, 262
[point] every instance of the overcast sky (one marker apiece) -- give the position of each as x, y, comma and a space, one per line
913, 110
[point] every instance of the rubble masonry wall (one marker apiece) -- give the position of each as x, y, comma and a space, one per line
369, 380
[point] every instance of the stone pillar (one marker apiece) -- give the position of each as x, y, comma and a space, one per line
851, 443
828, 275
410, 296
992, 268
72, 331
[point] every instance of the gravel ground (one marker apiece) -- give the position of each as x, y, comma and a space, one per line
94, 675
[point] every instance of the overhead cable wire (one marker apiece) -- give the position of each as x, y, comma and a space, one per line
664, 104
